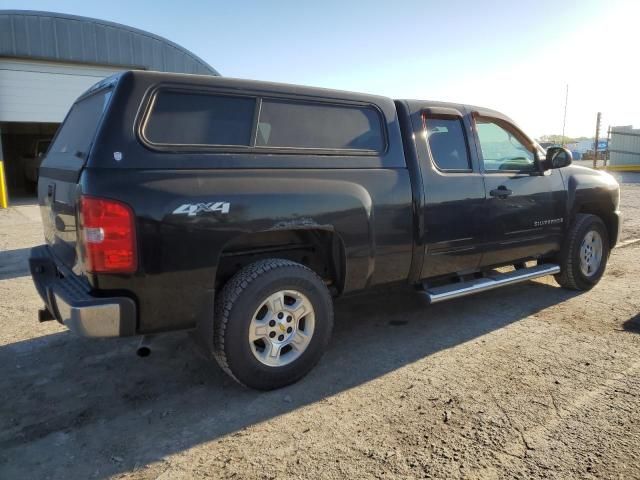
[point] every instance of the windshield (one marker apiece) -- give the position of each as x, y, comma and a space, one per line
73, 141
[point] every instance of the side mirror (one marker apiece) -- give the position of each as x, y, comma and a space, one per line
557, 157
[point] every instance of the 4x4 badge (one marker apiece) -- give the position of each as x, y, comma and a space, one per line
193, 209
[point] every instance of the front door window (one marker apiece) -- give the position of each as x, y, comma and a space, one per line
501, 149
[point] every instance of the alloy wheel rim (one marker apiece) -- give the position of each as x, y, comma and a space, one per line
590, 253
281, 328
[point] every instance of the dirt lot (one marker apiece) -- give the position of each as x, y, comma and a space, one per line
528, 381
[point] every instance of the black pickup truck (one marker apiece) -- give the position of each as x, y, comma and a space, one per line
238, 209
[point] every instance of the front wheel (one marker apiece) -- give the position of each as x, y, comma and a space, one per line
585, 253
273, 322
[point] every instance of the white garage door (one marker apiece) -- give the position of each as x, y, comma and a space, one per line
43, 92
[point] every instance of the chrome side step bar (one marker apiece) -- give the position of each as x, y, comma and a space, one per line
491, 281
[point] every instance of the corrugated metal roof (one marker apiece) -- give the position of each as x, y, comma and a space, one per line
69, 38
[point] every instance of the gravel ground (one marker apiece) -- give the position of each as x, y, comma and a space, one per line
529, 381
630, 204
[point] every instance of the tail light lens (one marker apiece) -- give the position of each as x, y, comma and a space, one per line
108, 235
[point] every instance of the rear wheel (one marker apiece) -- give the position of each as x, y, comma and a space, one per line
585, 254
273, 322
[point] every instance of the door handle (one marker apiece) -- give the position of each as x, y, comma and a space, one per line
500, 192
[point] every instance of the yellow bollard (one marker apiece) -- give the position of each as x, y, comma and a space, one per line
4, 200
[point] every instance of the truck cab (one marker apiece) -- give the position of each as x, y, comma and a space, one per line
488, 199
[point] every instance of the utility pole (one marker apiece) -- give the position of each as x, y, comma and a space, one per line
606, 157
595, 145
564, 120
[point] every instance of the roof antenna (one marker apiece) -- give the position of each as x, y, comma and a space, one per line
564, 121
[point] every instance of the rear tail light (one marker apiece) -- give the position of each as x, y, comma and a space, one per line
108, 235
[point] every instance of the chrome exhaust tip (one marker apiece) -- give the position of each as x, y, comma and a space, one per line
144, 347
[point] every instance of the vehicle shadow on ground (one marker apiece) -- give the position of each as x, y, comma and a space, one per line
632, 325
80, 408
14, 263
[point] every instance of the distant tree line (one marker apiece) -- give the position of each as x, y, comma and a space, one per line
559, 139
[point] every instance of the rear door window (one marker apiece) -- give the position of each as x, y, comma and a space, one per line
308, 125
448, 143
185, 118
75, 137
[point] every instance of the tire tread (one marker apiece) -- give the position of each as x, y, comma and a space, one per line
230, 294
567, 276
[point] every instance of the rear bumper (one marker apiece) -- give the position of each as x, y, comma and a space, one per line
69, 300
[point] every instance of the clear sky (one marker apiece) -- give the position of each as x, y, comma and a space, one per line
514, 56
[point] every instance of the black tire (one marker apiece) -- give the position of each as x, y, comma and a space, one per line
570, 275
235, 308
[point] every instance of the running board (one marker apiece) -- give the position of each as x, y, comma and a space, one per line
491, 281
